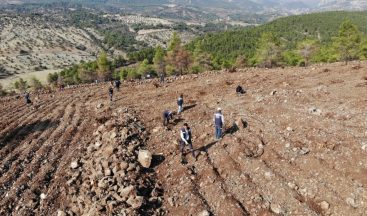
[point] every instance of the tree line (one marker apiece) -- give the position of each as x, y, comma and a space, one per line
268, 50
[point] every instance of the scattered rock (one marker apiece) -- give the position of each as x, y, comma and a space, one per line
156, 129
135, 202
268, 175
272, 93
124, 165
125, 192
352, 202
61, 213
171, 201
315, 111
98, 144
324, 205
74, 164
100, 105
304, 151
145, 158
275, 208
289, 129
364, 146
204, 213
43, 196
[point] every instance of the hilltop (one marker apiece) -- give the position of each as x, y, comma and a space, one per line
291, 30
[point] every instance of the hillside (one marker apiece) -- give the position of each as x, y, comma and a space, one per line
291, 30
53, 37
301, 151
36, 44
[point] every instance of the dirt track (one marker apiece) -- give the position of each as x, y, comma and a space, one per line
303, 151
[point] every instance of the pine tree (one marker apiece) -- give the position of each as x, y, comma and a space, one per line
268, 53
348, 41
104, 68
144, 68
307, 49
363, 49
174, 43
178, 58
159, 60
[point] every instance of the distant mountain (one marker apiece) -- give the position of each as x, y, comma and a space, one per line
343, 4
268, 9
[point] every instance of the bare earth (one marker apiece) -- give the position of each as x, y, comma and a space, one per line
303, 152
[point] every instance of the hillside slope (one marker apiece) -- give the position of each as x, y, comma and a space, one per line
303, 150
292, 29
35, 44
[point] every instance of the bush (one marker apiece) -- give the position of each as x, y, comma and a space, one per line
52, 78
36, 84
2, 91
291, 58
195, 69
21, 85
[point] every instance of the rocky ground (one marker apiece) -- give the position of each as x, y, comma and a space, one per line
295, 144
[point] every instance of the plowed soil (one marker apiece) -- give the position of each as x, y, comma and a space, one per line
302, 151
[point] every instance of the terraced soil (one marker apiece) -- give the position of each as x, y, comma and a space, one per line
303, 150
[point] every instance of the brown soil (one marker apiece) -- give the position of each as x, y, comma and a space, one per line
303, 151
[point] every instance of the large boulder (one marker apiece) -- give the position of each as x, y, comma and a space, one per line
145, 158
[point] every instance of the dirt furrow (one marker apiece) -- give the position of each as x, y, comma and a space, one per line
37, 162
270, 185
18, 111
213, 189
24, 120
39, 127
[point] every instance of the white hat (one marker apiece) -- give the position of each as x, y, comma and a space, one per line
219, 109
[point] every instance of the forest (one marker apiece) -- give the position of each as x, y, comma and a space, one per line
291, 41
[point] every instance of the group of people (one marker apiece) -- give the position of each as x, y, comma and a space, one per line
185, 138
185, 132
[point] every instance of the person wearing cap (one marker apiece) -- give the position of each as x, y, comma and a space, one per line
218, 122
180, 104
167, 115
185, 139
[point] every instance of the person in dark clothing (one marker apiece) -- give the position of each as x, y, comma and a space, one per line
161, 78
167, 115
240, 90
27, 98
219, 123
185, 139
118, 84
110, 92
180, 102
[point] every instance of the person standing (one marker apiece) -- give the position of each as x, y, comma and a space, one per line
110, 92
219, 123
185, 140
161, 78
27, 98
118, 84
180, 104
